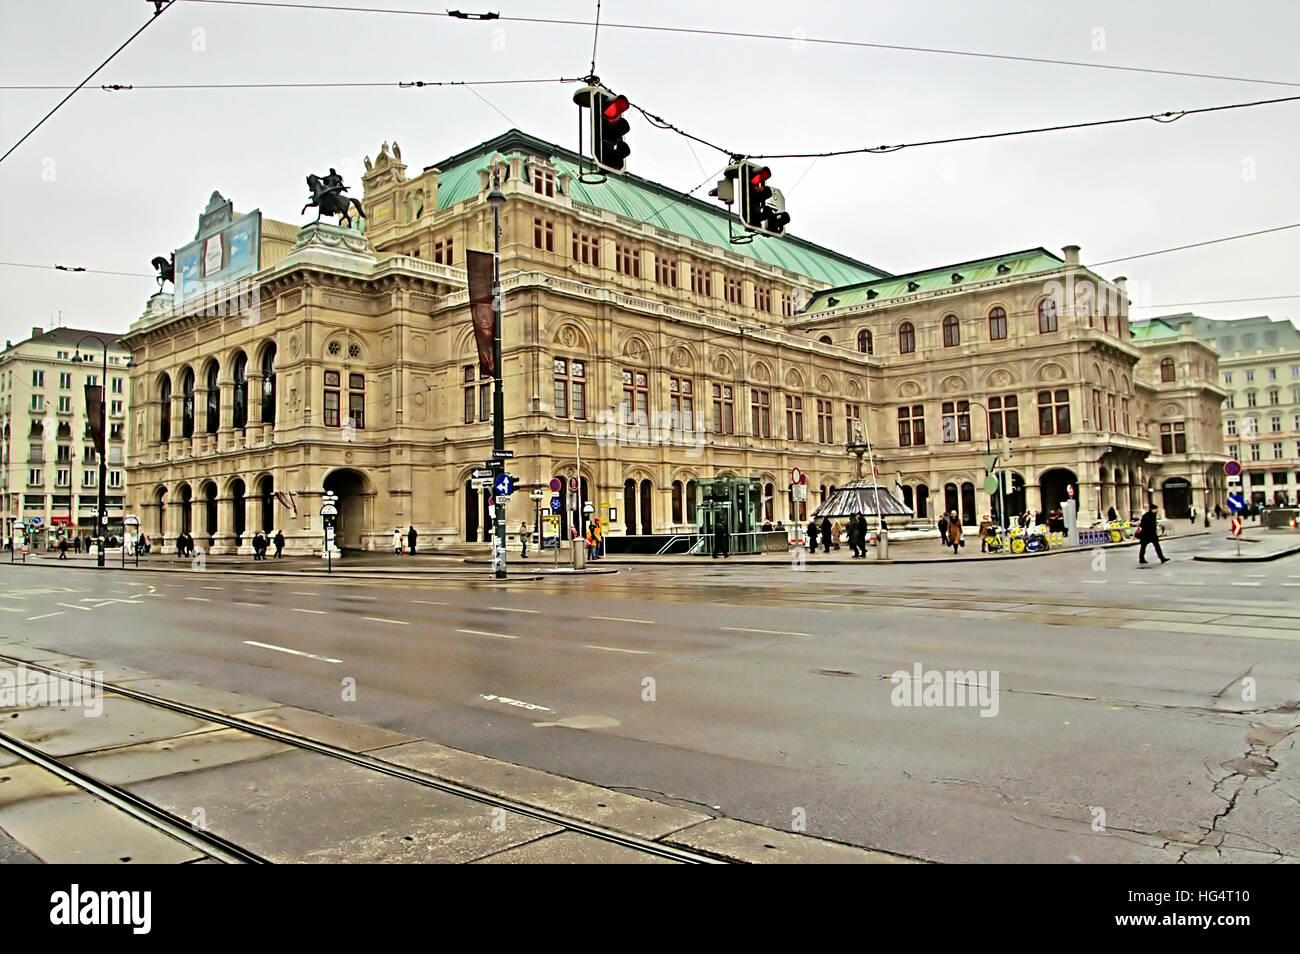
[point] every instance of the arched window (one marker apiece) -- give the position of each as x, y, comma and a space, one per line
864, 341
1046, 315
1166, 369
268, 384
951, 332
187, 414
825, 339
239, 413
997, 324
165, 413
677, 501
906, 338
214, 399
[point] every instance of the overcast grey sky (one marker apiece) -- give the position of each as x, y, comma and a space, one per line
113, 179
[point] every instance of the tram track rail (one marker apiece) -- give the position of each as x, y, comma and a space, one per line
228, 852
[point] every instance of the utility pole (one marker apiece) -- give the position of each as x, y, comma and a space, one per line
496, 198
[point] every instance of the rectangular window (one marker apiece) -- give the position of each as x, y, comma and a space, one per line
35, 478
793, 417
629, 260
1273, 397
1054, 412
666, 271
1173, 438
1250, 398
115, 479
1227, 377
65, 380
357, 400
955, 421
1110, 412
1276, 423
65, 404
1232, 427
636, 396
63, 477
852, 412
467, 374
117, 385
64, 453
444, 251
1124, 406
578, 387
561, 372
586, 249
115, 408
38, 379
760, 412
911, 425
544, 183
724, 420
1096, 409
1250, 376
763, 298
88, 478
543, 235
331, 417
701, 280
682, 402
1277, 450
787, 305
1254, 451
1272, 374
38, 402
732, 288
825, 422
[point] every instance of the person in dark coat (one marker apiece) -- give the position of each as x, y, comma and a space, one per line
411, 537
721, 538
943, 530
1149, 534
812, 536
63, 548
279, 544
855, 535
1111, 515
826, 534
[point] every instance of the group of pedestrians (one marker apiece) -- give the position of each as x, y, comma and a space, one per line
829, 534
262, 543
950, 534
185, 545
411, 537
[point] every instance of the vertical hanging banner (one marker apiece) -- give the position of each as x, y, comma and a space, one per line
95, 415
478, 266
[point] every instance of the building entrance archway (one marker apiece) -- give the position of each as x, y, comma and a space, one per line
353, 522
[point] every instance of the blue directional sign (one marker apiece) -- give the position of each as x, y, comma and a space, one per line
556, 506
504, 485
1236, 502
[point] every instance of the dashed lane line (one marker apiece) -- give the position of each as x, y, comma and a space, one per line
303, 593
479, 632
1240, 583
380, 619
199, 599
12, 609
239, 603
295, 609
84, 609
511, 609
622, 619
615, 649
46, 616
430, 602
295, 652
766, 632
214, 587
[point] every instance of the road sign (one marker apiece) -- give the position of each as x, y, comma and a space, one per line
479, 472
991, 484
556, 485
796, 475
1234, 480
1232, 468
990, 462
329, 510
504, 485
589, 507
1236, 502
800, 492
556, 505
503, 454
36, 521
537, 494
573, 483
480, 483
1236, 526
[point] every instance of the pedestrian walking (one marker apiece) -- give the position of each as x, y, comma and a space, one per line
1149, 534
1191, 515
397, 540
279, 544
76, 543
836, 531
826, 534
523, 539
721, 538
812, 536
598, 533
943, 530
411, 537
954, 532
63, 548
862, 536
986, 531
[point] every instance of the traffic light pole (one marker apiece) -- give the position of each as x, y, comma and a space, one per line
496, 198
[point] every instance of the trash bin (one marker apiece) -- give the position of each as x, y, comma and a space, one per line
882, 544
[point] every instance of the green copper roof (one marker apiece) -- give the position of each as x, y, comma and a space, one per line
936, 279
1152, 330
646, 201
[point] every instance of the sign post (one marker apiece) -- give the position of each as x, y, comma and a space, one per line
328, 511
135, 523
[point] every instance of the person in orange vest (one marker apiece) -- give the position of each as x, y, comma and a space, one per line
597, 538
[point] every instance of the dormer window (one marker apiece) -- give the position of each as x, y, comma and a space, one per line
1004, 269
913, 286
957, 277
544, 182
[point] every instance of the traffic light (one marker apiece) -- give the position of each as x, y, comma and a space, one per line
608, 127
762, 208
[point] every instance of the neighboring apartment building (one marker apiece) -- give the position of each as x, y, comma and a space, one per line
1259, 369
346, 361
50, 472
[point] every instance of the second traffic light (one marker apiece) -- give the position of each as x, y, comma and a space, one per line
608, 129
762, 208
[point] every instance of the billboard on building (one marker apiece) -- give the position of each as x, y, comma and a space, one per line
224, 249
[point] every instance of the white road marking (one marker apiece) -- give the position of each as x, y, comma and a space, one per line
46, 616
615, 649
511, 609
768, 632
518, 703
620, 619
369, 598
84, 609
214, 587
1257, 576
479, 632
10, 609
295, 652
297, 610
303, 593
1139, 582
380, 619
1092, 581
199, 599
1284, 584
431, 602
238, 603
1237, 583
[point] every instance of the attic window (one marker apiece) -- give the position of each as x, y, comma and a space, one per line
1004, 269
956, 277
913, 286
872, 293
544, 182
832, 301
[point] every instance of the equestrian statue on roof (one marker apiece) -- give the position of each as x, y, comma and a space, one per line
328, 198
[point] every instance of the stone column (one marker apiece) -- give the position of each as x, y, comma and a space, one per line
252, 518
223, 541
253, 426
225, 426
176, 446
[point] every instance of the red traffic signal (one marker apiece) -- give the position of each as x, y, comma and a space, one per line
608, 127
616, 107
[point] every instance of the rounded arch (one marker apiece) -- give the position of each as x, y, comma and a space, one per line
760, 372
1052, 484
997, 322
906, 337
794, 378
354, 523
909, 388
636, 348
865, 343
266, 361
951, 331
826, 340
239, 377
683, 357
1048, 371
824, 383
953, 384
187, 407
570, 334
343, 346
1001, 378
185, 494
1046, 310
1167, 370
160, 524
724, 364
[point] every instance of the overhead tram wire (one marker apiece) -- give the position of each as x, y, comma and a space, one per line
159, 12
785, 38
403, 84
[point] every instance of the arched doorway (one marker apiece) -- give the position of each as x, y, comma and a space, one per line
1177, 495
629, 506
949, 499
969, 517
922, 501
1052, 484
1103, 490
266, 494
210, 511
160, 501
187, 499
645, 507
1014, 491
908, 500
352, 523
471, 513
237, 492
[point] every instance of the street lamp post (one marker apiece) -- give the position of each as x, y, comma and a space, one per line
328, 511
101, 506
496, 198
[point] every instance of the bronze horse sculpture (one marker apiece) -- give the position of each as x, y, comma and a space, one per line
328, 198
166, 268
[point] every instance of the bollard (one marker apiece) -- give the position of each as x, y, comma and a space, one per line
882, 545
